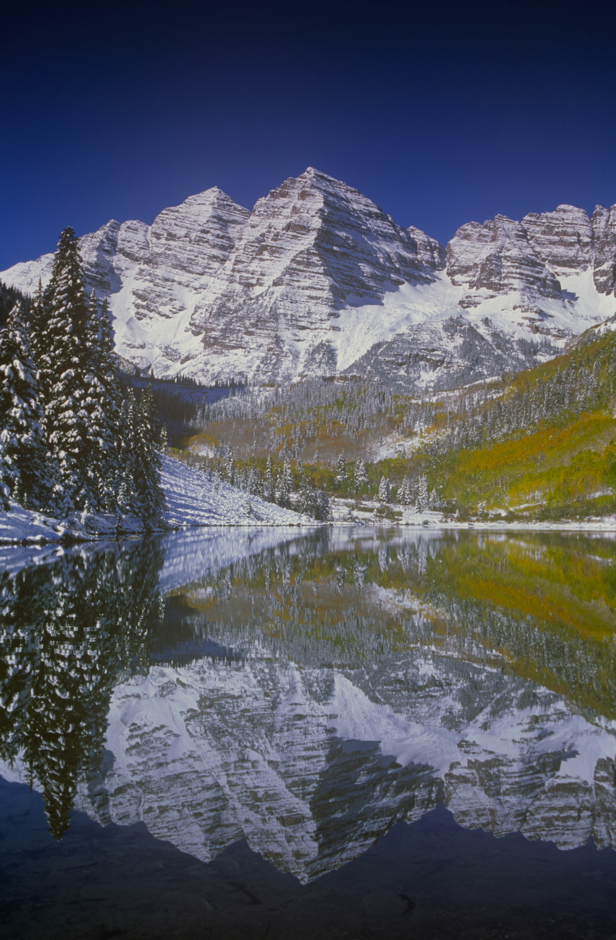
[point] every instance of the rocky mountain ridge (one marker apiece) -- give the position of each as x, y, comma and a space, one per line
317, 280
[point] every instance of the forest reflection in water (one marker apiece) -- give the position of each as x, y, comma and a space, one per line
307, 691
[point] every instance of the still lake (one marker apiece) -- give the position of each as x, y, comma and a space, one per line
341, 733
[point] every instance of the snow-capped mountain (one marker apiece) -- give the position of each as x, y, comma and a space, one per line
317, 280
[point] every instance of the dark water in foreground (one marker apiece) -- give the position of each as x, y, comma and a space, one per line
345, 734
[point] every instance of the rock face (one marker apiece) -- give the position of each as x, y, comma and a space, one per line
154, 274
604, 244
317, 280
499, 257
309, 249
563, 239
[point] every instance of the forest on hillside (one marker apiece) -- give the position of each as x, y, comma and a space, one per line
539, 444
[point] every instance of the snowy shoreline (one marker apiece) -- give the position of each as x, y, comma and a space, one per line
194, 501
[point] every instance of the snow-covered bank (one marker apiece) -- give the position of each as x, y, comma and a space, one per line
21, 525
192, 500
371, 512
195, 500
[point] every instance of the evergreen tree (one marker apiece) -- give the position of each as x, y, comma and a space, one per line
341, 470
305, 492
287, 473
63, 366
384, 490
103, 409
360, 477
39, 316
128, 499
23, 463
141, 493
404, 494
323, 508
229, 468
423, 495
269, 488
285, 485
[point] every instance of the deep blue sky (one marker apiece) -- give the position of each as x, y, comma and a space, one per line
439, 113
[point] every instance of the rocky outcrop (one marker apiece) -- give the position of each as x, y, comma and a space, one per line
449, 354
529, 256
604, 249
499, 257
153, 275
186, 246
310, 249
563, 239
429, 251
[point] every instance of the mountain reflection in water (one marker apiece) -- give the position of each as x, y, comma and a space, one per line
307, 692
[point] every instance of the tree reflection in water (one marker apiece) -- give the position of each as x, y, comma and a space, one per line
69, 632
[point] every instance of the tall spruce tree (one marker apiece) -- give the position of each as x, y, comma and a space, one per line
23, 465
63, 366
141, 493
39, 315
102, 404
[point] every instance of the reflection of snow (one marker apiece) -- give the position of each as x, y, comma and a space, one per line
307, 759
215, 751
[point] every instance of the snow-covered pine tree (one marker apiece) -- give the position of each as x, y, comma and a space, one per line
147, 462
360, 477
102, 404
287, 473
128, 500
269, 488
304, 492
63, 366
384, 490
323, 507
341, 470
38, 317
423, 495
24, 468
404, 494
229, 468
285, 485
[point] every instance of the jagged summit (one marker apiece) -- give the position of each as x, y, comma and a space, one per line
318, 280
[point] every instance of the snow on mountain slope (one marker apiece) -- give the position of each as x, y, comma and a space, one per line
317, 280
310, 249
152, 275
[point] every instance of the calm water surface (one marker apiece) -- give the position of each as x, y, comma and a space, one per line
344, 734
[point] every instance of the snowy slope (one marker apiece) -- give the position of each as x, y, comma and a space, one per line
193, 499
